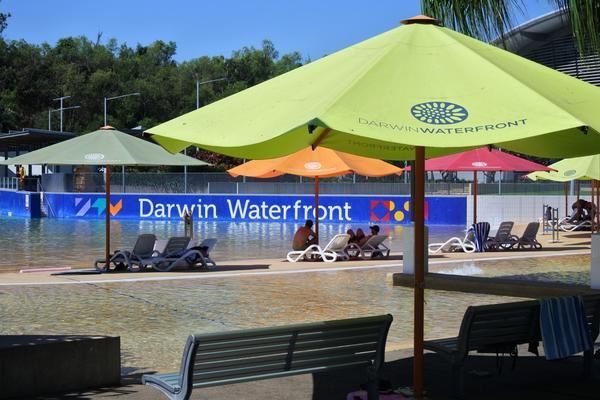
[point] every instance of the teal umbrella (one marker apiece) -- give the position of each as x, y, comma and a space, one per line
106, 147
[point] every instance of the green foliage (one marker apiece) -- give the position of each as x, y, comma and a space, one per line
32, 75
491, 19
3, 21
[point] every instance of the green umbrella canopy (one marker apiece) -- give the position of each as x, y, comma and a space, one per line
583, 168
104, 147
416, 85
414, 91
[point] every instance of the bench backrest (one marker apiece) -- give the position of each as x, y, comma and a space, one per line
247, 355
496, 327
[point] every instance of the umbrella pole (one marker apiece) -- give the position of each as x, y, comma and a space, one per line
107, 215
593, 216
566, 187
578, 189
597, 205
317, 208
419, 295
474, 197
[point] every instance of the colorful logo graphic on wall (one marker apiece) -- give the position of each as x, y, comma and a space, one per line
385, 211
439, 113
85, 205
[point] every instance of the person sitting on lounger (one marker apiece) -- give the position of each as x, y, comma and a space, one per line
304, 236
374, 231
582, 211
355, 237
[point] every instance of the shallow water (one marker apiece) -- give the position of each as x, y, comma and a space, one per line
153, 318
53, 242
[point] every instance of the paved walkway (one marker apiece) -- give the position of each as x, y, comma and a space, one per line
532, 378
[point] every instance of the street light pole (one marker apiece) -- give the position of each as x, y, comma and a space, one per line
61, 109
50, 111
198, 83
107, 99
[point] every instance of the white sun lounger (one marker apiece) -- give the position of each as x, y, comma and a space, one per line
373, 247
455, 243
335, 250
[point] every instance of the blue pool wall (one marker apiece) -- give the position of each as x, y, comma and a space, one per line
20, 204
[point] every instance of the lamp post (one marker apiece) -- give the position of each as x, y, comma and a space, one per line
107, 99
198, 83
61, 109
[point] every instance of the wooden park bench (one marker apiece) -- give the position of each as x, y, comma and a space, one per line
223, 358
499, 328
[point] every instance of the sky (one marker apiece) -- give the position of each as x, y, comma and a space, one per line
314, 28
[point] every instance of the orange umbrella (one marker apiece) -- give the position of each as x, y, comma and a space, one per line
318, 163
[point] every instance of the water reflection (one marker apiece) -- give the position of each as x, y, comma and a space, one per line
154, 318
51, 242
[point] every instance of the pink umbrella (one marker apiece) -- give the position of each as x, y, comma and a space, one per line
482, 159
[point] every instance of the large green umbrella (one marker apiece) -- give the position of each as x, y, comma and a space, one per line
576, 168
104, 147
415, 90
583, 168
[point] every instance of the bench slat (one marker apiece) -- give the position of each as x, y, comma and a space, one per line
246, 355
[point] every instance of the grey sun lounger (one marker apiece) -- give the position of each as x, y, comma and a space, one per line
190, 257
126, 259
504, 239
175, 247
528, 239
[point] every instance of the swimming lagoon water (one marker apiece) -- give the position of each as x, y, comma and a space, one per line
52, 242
153, 318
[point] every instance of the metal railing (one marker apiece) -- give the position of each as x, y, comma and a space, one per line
9, 183
168, 182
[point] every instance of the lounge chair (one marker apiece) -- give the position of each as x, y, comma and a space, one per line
126, 259
191, 256
528, 239
504, 239
373, 247
334, 250
455, 244
175, 247
566, 226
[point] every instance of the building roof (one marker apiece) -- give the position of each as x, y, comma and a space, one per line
548, 40
30, 139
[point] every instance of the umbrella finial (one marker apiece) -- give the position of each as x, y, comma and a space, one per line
421, 19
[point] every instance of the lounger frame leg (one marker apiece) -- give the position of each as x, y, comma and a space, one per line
588, 359
458, 380
373, 386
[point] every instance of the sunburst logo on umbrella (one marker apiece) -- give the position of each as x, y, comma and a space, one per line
439, 113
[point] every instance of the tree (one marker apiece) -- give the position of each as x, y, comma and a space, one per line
3, 21
488, 19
